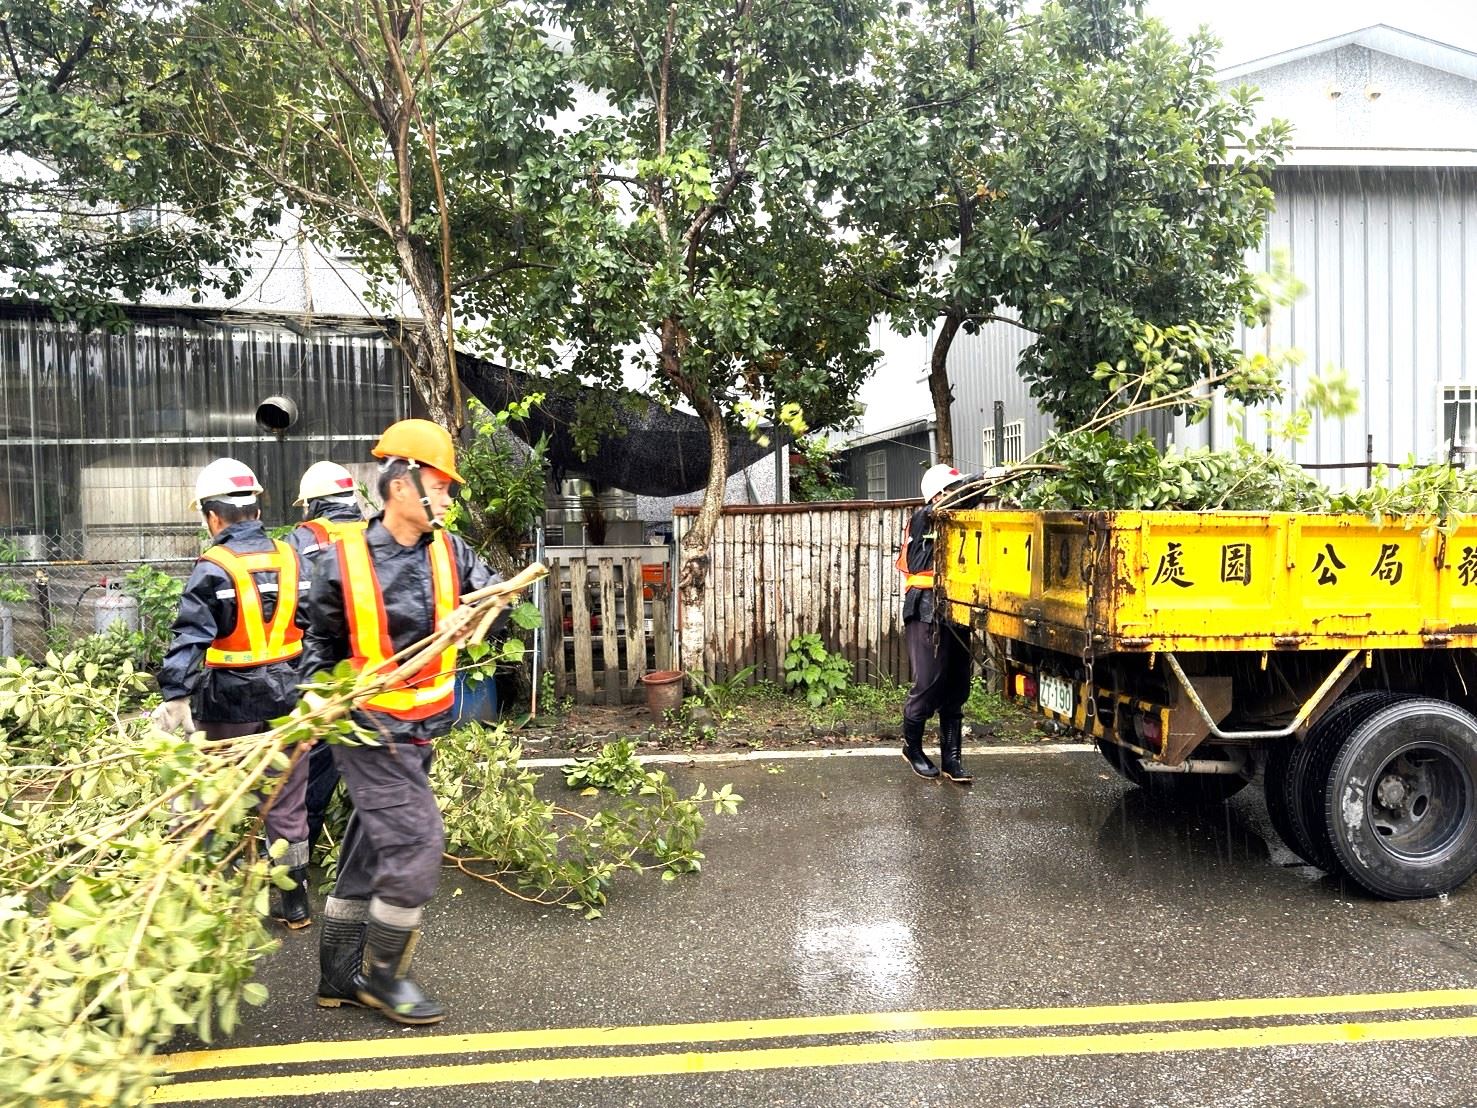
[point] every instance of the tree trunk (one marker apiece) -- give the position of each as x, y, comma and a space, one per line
432, 359
692, 584
692, 580
938, 387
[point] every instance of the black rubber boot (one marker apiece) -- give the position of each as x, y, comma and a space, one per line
291, 907
913, 750
951, 743
385, 982
340, 957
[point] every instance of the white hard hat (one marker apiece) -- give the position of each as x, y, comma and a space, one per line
226, 479
938, 478
324, 479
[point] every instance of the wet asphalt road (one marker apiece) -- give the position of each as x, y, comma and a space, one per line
844, 885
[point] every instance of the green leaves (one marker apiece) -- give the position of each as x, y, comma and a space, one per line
1099, 470
158, 596
1069, 166
615, 769
815, 671
503, 494
502, 832
120, 919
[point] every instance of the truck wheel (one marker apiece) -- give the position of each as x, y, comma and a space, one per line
1307, 775
1401, 800
1183, 789
1277, 784
1285, 771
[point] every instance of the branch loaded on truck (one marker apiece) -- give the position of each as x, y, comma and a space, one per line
1332, 652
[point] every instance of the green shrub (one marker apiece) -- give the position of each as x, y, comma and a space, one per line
815, 671
158, 596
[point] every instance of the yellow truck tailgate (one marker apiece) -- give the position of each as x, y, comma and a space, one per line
1184, 581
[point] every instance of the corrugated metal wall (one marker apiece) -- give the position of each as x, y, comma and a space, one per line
907, 457
982, 369
101, 434
1385, 256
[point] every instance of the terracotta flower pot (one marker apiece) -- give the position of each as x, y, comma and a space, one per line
663, 691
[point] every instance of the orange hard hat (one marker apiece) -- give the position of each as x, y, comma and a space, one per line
420, 440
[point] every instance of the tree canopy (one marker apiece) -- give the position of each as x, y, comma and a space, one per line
97, 204
685, 228
398, 133
723, 194
1073, 171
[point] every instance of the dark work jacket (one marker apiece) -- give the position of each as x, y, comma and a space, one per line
207, 611
306, 543
918, 603
404, 574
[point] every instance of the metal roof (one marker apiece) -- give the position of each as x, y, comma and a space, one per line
1382, 37
888, 434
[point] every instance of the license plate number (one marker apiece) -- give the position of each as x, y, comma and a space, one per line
1055, 695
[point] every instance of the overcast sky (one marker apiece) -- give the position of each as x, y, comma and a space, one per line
1255, 28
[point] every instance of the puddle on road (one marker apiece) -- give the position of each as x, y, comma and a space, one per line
1140, 832
878, 956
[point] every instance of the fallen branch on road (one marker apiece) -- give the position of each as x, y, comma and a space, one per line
131, 891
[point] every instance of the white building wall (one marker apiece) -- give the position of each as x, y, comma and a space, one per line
1388, 257
1383, 98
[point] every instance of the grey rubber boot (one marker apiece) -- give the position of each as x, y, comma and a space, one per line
341, 951
385, 983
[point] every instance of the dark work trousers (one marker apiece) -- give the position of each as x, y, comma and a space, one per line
288, 817
939, 653
392, 848
322, 780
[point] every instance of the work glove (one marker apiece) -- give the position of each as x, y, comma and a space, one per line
174, 715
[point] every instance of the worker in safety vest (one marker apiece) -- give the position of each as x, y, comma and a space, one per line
377, 592
233, 661
330, 507
938, 649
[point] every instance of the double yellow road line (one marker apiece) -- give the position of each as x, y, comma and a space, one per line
1240, 1034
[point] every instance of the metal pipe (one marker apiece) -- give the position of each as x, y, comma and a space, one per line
1292, 728
1213, 766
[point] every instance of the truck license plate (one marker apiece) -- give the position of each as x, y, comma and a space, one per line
1055, 695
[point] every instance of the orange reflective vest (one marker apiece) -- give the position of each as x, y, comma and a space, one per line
254, 641
326, 532
921, 579
430, 691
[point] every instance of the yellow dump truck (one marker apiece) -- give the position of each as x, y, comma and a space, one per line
1332, 654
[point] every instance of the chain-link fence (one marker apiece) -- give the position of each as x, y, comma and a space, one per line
55, 590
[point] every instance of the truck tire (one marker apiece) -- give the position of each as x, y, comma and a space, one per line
1179, 789
1400, 803
1286, 770
1281, 808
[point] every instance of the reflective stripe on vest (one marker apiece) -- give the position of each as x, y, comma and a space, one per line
923, 579
254, 641
430, 691
327, 531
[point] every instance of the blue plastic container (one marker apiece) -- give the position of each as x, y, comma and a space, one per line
475, 701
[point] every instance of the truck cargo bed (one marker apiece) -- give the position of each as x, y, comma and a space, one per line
1107, 582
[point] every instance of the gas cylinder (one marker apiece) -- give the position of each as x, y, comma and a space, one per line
114, 607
